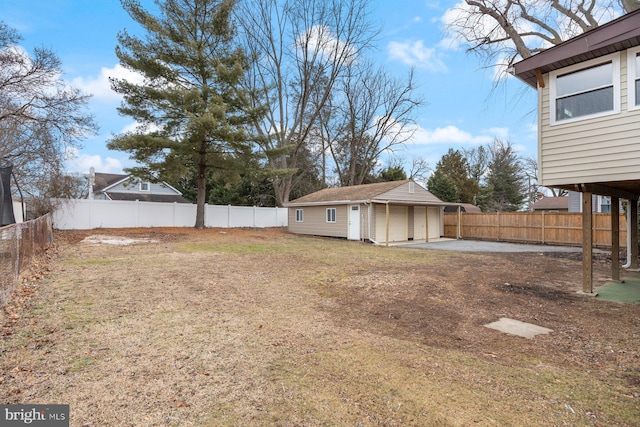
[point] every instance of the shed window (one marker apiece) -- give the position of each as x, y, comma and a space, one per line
299, 215
331, 214
145, 186
584, 92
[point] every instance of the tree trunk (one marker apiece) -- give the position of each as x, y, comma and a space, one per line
202, 193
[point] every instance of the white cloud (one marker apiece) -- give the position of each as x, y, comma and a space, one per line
81, 162
100, 87
450, 135
416, 54
320, 38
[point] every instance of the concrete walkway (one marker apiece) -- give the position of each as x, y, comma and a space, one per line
482, 246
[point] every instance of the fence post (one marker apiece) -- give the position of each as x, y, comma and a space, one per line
543, 230
498, 233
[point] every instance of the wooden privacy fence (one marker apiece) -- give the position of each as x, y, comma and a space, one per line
532, 227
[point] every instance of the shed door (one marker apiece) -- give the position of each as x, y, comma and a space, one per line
434, 223
354, 222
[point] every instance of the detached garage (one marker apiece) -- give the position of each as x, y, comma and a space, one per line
383, 213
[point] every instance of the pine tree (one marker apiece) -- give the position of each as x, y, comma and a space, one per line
443, 186
505, 182
189, 106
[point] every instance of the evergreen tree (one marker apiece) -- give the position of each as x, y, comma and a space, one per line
392, 173
190, 109
443, 186
454, 165
506, 189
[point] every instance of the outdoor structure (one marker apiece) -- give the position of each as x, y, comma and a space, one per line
589, 124
385, 212
598, 203
6, 204
551, 204
108, 186
462, 207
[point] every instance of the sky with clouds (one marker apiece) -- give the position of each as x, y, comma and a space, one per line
464, 107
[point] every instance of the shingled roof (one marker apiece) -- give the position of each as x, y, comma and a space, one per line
551, 203
365, 192
104, 180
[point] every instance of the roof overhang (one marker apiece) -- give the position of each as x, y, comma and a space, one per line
615, 36
379, 201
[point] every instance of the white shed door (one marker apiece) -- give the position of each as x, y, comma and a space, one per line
354, 222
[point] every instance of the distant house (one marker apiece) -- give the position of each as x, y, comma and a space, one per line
551, 204
464, 207
383, 212
109, 186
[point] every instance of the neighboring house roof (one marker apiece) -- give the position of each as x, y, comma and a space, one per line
361, 193
166, 198
464, 207
614, 36
105, 180
551, 203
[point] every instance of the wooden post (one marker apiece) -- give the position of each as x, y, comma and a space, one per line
459, 224
615, 238
387, 223
426, 224
634, 233
587, 242
543, 230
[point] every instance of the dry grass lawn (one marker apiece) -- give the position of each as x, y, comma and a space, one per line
261, 328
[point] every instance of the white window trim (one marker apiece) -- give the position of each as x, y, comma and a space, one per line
300, 218
148, 186
615, 62
632, 74
335, 215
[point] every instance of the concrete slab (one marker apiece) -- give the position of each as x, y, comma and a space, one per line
518, 328
485, 246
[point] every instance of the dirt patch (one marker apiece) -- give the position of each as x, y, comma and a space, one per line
260, 327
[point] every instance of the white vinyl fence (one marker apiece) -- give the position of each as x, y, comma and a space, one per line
83, 214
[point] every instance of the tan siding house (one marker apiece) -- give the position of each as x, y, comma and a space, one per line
385, 212
589, 124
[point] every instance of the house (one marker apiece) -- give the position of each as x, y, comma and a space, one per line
110, 186
385, 212
589, 123
551, 204
464, 207
598, 203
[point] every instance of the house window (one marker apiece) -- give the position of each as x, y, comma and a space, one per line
331, 214
605, 204
299, 215
585, 90
145, 186
633, 71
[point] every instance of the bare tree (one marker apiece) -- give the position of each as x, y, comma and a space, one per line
375, 115
41, 116
297, 48
504, 31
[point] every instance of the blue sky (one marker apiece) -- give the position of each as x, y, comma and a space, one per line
462, 107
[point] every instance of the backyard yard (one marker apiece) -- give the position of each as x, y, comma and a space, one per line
243, 327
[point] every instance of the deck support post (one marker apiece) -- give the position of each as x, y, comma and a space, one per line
587, 242
633, 211
615, 238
